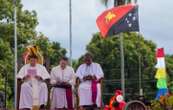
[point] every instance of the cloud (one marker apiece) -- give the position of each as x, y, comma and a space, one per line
53, 19
155, 22
53, 16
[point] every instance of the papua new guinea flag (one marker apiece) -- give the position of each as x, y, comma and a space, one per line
123, 18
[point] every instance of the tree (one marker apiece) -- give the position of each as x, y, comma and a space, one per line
52, 51
27, 22
117, 2
138, 55
107, 53
27, 35
6, 61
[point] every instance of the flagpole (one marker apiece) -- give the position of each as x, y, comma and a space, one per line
139, 61
140, 74
15, 56
70, 31
122, 64
139, 65
122, 58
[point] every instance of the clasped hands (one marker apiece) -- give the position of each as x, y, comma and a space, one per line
63, 83
89, 77
28, 77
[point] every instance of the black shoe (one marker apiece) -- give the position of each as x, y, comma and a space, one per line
42, 107
26, 109
94, 105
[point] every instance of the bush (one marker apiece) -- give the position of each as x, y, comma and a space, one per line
164, 103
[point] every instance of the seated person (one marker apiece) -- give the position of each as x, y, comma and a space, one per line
33, 91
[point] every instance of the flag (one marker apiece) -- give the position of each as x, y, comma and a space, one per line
118, 19
160, 52
161, 67
161, 73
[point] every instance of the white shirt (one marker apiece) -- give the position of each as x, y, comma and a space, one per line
92, 69
62, 75
39, 69
84, 90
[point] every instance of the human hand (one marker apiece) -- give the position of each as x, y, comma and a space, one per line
94, 77
88, 77
27, 77
37, 77
66, 84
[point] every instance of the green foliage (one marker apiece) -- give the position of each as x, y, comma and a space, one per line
138, 52
6, 62
26, 22
169, 66
52, 51
164, 103
155, 105
57, 53
27, 35
105, 2
107, 53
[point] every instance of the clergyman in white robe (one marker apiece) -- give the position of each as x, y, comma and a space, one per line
26, 94
59, 75
84, 90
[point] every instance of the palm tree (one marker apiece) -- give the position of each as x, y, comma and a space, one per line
117, 2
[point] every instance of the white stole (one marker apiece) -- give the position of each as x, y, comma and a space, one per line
35, 91
35, 87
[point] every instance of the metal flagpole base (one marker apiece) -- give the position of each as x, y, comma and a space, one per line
141, 92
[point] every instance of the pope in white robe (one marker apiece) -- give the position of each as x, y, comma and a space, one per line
33, 86
60, 75
88, 72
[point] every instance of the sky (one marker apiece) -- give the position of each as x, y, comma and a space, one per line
155, 17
